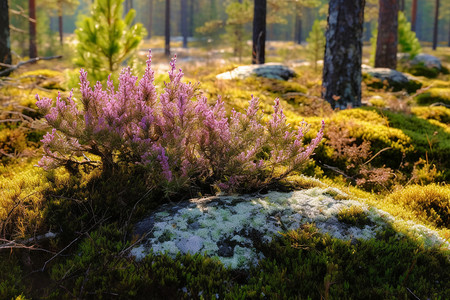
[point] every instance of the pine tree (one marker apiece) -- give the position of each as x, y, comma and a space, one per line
105, 40
239, 14
407, 40
316, 43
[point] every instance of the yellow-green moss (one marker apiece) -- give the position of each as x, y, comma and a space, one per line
430, 203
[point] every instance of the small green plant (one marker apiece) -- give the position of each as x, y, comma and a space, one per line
105, 40
239, 14
316, 43
354, 215
407, 40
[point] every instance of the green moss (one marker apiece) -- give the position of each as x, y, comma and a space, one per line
355, 216
430, 203
434, 95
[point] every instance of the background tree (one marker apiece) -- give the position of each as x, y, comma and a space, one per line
413, 15
259, 31
5, 42
64, 6
341, 84
387, 40
239, 15
167, 29
407, 40
299, 8
436, 23
316, 43
32, 24
105, 40
184, 22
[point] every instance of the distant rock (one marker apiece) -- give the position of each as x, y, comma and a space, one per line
390, 78
422, 65
268, 70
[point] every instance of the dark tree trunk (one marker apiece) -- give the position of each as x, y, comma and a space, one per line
449, 32
259, 32
32, 15
436, 25
5, 42
60, 23
167, 29
341, 85
414, 15
191, 18
150, 18
184, 22
402, 5
298, 29
387, 40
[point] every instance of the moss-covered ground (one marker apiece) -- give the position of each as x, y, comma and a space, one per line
393, 153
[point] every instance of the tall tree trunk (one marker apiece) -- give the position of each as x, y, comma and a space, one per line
5, 42
259, 32
150, 19
414, 15
191, 17
60, 22
341, 84
184, 22
167, 29
387, 39
402, 5
32, 22
436, 25
298, 28
449, 32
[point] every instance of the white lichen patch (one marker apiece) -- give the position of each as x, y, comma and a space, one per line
228, 226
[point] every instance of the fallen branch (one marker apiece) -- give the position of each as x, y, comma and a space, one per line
11, 68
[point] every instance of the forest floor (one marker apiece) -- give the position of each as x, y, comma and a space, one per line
70, 236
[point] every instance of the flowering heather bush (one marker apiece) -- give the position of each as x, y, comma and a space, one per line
179, 138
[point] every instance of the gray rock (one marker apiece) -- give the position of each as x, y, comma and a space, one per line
268, 70
395, 79
191, 245
427, 60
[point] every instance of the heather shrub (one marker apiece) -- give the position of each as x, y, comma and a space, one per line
177, 137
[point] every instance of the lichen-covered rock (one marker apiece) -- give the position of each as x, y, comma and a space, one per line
232, 227
268, 70
384, 77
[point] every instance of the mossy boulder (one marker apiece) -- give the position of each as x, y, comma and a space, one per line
426, 65
379, 78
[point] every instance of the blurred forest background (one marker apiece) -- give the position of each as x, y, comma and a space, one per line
210, 22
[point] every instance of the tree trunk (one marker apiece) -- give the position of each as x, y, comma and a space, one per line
387, 39
341, 84
191, 18
167, 29
402, 5
298, 28
414, 15
436, 25
5, 42
449, 32
184, 22
150, 19
32, 22
60, 22
259, 32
